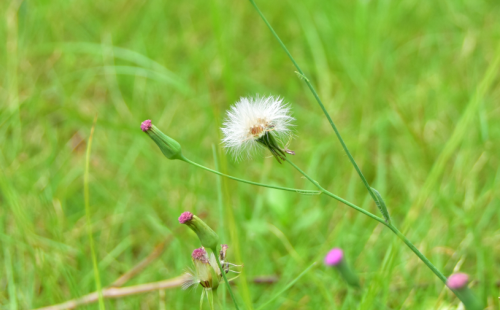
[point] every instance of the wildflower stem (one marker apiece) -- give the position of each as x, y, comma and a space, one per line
353, 162
418, 253
316, 96
225, 279
212, 299
295, 190
216, 299
381, 220
373, 216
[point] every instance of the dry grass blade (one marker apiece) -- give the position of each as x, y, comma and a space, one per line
115, 292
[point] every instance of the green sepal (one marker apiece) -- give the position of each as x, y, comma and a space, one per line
268, 141
203, 292
208, 238
213, 299
215, 278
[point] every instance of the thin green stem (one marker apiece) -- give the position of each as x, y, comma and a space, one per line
316, 96
225, 279
212, 299
217, 302
203, 292
417, 252
295, 190
381, 220
373, 216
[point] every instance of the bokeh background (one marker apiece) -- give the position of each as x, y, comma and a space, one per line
412, 86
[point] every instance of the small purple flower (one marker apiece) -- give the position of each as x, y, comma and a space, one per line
146, 125
457, 281
185, 217
334, 257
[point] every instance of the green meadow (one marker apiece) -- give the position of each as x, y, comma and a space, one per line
413, 87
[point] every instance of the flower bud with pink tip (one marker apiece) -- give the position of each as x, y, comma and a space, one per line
458, 283
207, 271
168, 146
207, 236
335, 258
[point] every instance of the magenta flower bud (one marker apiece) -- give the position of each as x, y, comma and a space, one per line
207, 272
207, 236
146, 125
168, 146
457, 281
334, 257
185, 216
200, 254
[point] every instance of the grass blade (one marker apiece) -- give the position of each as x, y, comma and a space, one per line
89, 223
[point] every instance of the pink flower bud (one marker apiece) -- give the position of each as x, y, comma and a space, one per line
200, 254
146, 125
207, 236
185, 217
168, 146
334, 257
457, 281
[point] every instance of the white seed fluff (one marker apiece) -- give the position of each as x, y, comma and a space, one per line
250, 118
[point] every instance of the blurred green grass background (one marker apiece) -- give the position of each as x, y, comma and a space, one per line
398, 78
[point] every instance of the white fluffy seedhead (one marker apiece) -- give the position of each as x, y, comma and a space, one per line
250, 118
